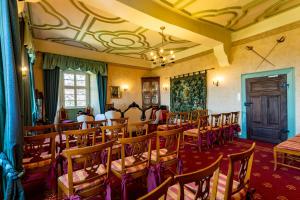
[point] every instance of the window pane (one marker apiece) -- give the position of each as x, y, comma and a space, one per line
81, 103
69, 79
80, 80
69, 103
81, 91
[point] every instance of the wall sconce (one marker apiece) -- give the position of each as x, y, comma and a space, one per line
125, 88
217, 81
165, 87
24, 71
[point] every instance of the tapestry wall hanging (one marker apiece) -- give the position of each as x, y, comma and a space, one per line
188, 92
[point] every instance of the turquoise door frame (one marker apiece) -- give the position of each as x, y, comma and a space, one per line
290, 72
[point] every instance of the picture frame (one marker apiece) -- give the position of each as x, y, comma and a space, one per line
115, 92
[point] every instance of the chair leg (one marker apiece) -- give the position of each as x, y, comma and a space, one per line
59, 193
275, 160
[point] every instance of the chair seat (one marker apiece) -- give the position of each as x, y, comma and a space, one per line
173, 191
289, 145
162, 152
194, 132
81, 175
166, 127
129, 161
45, 160
294, 139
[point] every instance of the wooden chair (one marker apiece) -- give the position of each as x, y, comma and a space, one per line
171, 122
159, 192
80, 138
92, 177
63, 116
115, 133
39, 156
225, 125
203, 112
97, 124
234, 126
60, 128
135, 159
194, 118
215, 129
139, 128
199, 134
167, 150
238, 189
40, 129
183, 120
117, 121
201, 184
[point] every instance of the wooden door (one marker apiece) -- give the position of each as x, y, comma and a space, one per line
267, 108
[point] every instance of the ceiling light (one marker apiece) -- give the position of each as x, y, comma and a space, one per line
162, 56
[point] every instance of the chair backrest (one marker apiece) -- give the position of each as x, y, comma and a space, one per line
148, 114
168, 140
99, 117
40, 129
112, 114
136, 148
203, 112
203, 123
113, 132
80, 138
160, 191
117, 121
235, 117
69, 126
183, 118
92, 165
140, 128
133, 114
194, 117
245, 160
96, 124
39, 148
215, 120
226, 119
202, 180
84, 119
172, 118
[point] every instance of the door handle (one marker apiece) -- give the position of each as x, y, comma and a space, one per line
248, 103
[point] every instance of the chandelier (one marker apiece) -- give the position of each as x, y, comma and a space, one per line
162, 56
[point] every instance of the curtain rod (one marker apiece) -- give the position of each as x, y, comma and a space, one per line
192, 73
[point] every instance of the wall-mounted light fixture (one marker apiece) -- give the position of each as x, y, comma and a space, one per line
217, 81
125, 88
165, 87
24, 70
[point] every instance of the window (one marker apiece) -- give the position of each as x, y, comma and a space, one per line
76, 89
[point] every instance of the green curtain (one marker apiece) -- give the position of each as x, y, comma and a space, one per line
102, 91
51, 84
10, 120
188, 92
66, 62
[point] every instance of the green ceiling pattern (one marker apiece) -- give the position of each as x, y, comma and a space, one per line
71, 22
231, 14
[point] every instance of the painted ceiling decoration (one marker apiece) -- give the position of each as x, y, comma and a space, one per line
74, 23
231, 14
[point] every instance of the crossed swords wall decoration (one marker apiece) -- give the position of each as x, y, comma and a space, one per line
264, 58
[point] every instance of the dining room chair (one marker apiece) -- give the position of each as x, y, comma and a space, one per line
200, 184
234, 126
122, 120
160, 192
38, 129
39, 156
203, 112
199, 134
215, 129
92, 177
183, 120
225, 125
134, 161
193, 119
171, 122
80, 138
97, 124
166, 154
138, 128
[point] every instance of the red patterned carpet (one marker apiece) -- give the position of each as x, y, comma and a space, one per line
284, 184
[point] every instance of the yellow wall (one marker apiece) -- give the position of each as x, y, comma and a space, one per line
226, 97
120, 75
